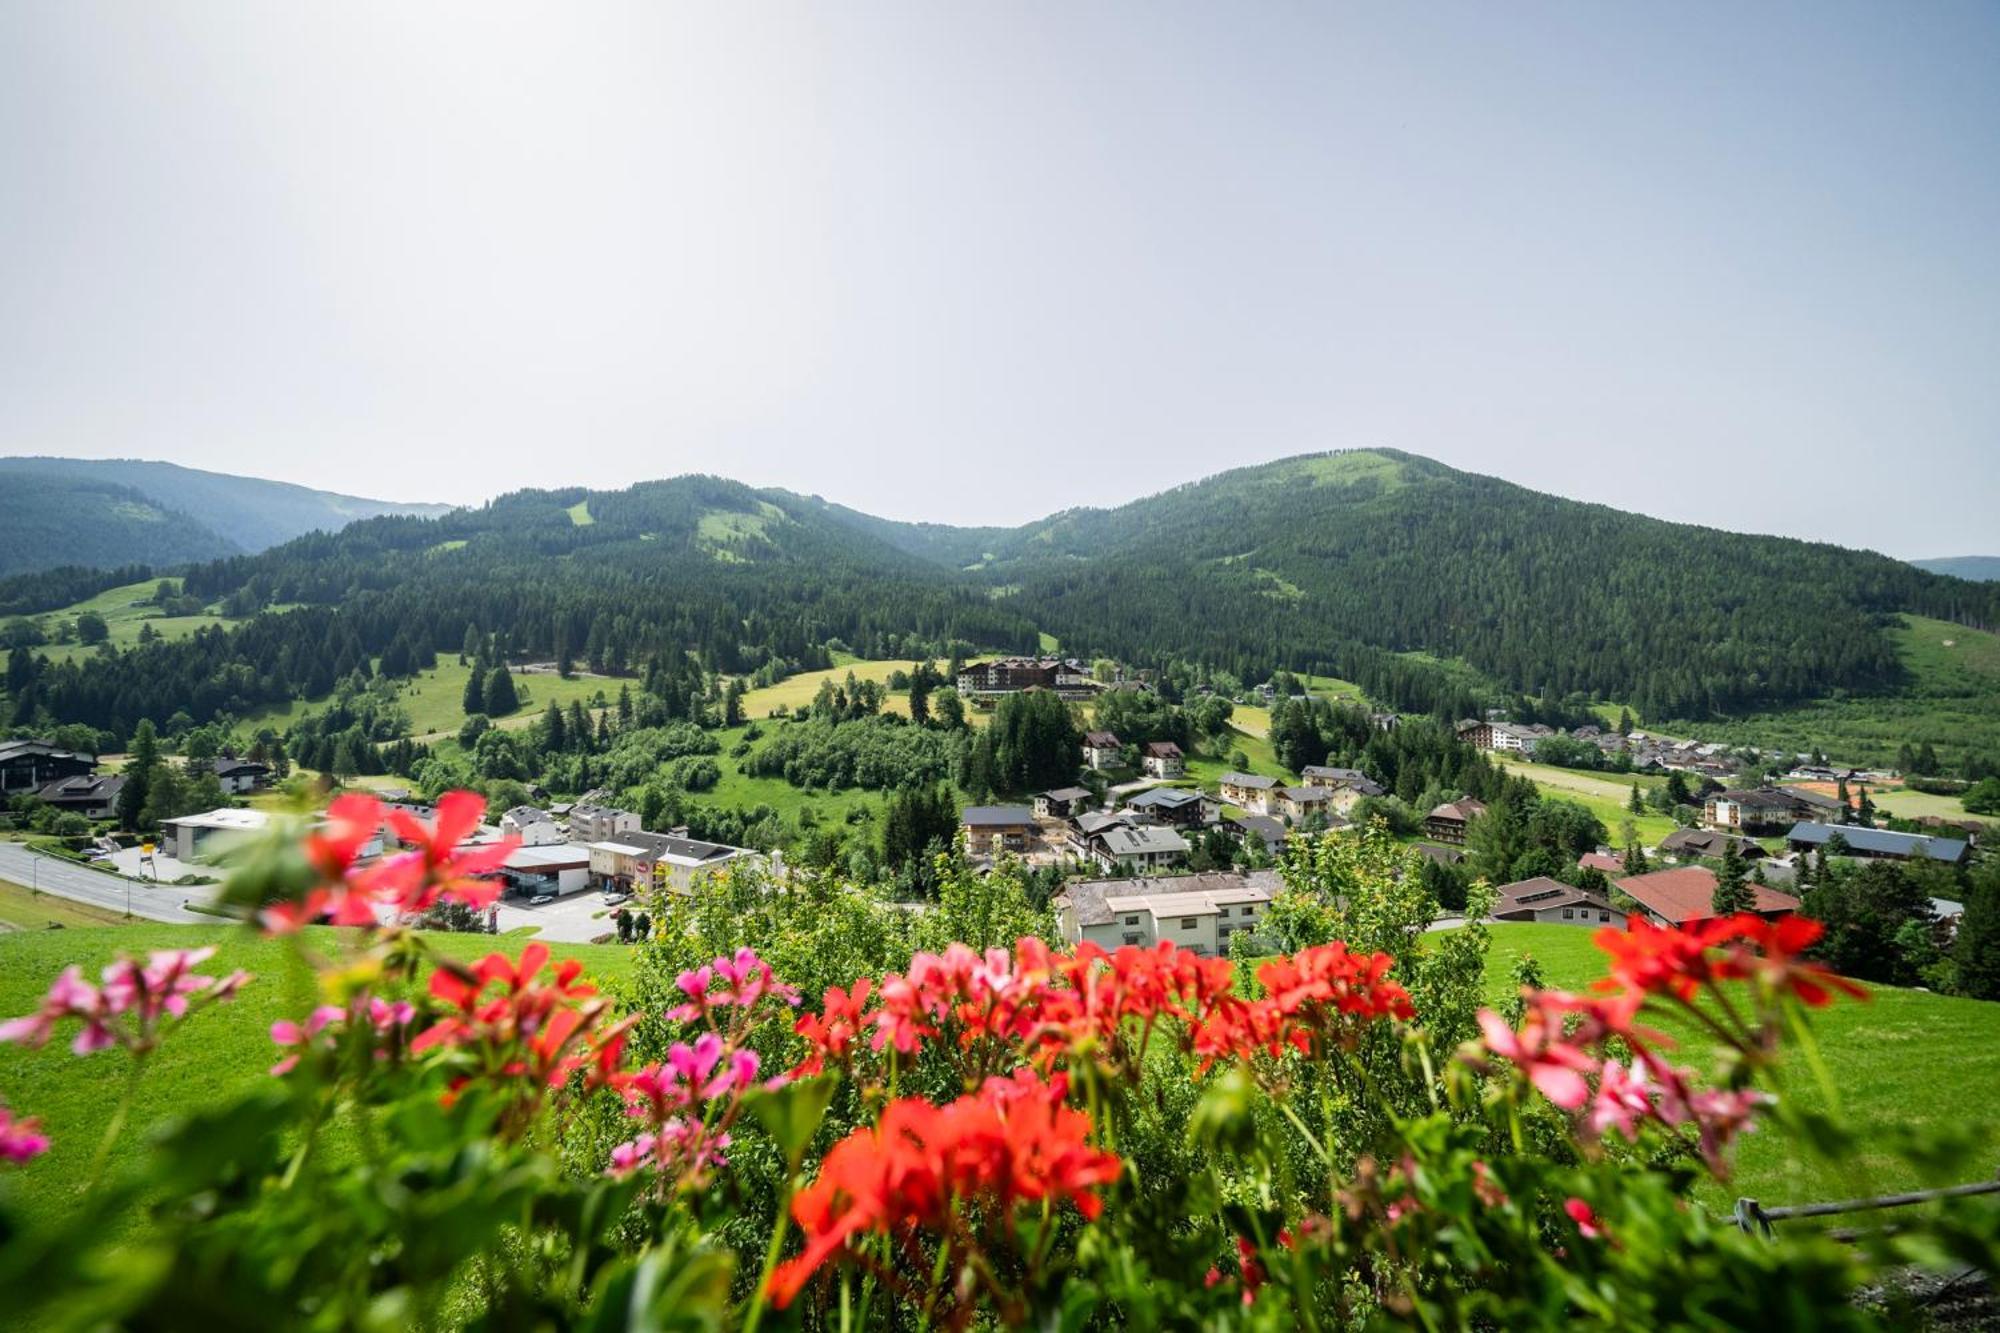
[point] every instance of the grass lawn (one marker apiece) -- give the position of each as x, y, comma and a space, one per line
222, 1051
794, 691
1333, 687
124, 615
1906, 1057
21, 908
1916, 804
1603, 794
579, 514
1251, 719
435, 700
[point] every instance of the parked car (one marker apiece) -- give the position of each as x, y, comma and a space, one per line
541, 899
616, 897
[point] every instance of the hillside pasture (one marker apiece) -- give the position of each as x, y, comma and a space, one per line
1603, 794
127, 610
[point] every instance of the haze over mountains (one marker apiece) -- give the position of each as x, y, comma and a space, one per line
1981, 567
112, 512
1377, 566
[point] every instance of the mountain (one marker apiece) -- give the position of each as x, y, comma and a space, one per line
1434, 589
112, 512
1980, 568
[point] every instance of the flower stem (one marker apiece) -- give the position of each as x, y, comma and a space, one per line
118, 1117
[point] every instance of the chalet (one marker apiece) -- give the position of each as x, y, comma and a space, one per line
1553, 902
1083, 827
997, 828
1688, 844
1687, 893
1600, 861
1197, 912
1136, 847
1247, 791
534, 826
1502, 737
1162, 759
1302, 802
1271, 832
1448, 822
94, 795
1755, 810
31, 765
983, 682
238, 775
1877, 844
590, 822
1102, 750
1176, 806
1063, 802
1348, 785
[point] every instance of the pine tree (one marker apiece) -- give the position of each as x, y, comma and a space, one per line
1636, 803
1624, 722
1731, 894
500, 696
139, 768
554, 733
1977, 949
475, 690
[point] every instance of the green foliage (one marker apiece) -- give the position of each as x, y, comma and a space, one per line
873, 753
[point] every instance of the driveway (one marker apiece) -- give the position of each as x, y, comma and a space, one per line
577, 919
65, 879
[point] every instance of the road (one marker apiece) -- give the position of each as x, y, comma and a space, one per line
61, 879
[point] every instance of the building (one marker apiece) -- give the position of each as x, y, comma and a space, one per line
1551, 901
1063, 802
1877, 844
1102, 750
1688, 844
1600, 861
1502, 737
600, 823
1349, 786
559, 868
238, 775
983, 682
1755, 810
665, 861
1271, 832
32, 765
1687, 893
1448, 822
997, 828
1173, 805
1136, 847
534, 826
1247, 791
1087, 825
1162, 759
1302, 802
94, 795
203, 837
1198, 912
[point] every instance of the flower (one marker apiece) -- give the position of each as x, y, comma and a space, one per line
1584, 1216
1012, 1141
128, 1008
1552, 1063
435, 866
69, 996
21, 1138
286, 1033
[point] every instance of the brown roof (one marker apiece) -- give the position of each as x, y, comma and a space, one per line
1464, 811
1101, 740
1687, 893
1541, 893
1604, 861
1163, 750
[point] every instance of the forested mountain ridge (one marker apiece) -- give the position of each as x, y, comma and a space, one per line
1369, 565
109, 512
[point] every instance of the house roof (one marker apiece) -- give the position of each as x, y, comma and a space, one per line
1163, 750
1333, 774
1881, 842
40, 749
1140, 840
1604, 861
1464, 811
558, 856
230, 763
996, 816
1250, 780
1068, 794
1440, 853
1164, 798
1101, 740
1708, 842
1089, 900
1272, 831
1542, 893
1306, 795
1092, 821
227, 818
529, 814
1686, 893
1763, 798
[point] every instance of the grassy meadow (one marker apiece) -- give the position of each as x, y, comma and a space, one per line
126, 610
1603, 794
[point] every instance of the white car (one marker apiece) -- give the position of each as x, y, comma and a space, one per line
541, 900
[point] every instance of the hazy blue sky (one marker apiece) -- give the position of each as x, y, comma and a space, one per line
1724, 263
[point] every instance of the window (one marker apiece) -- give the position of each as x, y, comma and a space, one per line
1187, 923
1604, 916
1131, 920
1131, 937
1569, 913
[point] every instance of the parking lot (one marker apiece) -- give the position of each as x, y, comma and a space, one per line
576, 919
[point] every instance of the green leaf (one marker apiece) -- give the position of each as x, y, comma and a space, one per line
792, 1113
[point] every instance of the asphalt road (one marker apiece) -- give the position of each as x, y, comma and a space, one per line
61, 879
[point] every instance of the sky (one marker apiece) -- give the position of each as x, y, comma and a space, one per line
1734, 265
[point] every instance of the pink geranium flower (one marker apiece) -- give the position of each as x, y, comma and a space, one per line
21, 1138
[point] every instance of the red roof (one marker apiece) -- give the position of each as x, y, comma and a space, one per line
1687, 893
